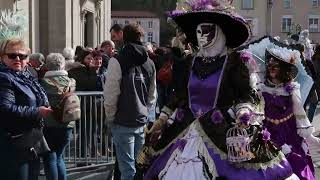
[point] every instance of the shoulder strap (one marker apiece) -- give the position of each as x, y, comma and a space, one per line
65, 90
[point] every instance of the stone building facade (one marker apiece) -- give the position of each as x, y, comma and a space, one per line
286, 14
56, 24
149, 21
279, 17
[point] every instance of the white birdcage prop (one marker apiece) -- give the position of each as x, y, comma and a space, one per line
238, 145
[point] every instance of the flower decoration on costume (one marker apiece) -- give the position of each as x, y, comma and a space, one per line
204, 4
248, 59
245, 56
265, 135
180, 114
289, 87
217, 117
245, 118
184, 6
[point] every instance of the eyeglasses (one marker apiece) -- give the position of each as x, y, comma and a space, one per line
14, 56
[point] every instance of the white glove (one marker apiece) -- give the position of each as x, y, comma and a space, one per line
313, 140
305, 147
305, 133
286, 149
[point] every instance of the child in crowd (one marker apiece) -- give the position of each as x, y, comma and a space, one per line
285, 117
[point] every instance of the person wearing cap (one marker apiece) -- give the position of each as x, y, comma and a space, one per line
285, 117
215, 98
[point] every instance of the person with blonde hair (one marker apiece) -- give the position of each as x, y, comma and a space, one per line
23, 106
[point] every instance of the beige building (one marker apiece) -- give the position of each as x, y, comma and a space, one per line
147, 20
56, 24
279, 17
256, 13
288, 13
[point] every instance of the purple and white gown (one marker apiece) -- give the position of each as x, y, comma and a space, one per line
199, 152
287, 122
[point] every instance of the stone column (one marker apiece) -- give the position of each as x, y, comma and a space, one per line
98, 22
82, 26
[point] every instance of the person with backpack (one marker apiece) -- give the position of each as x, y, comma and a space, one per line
58, 127
129, 93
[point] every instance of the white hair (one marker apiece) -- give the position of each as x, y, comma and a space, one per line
38, 57
68, 53
55, 62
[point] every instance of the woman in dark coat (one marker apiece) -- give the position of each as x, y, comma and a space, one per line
23, 105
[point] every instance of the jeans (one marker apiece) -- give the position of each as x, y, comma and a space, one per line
54, 166
128, 142
11, 168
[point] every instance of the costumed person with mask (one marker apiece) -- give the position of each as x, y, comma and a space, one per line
285, 117
304, 39
207, 130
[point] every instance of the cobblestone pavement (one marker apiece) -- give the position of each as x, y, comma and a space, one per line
315, 150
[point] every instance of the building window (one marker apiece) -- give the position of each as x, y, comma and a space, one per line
139, 23
126, 22
286, 24
315, 3
150, 24
247, 4
287, 4
150, 37
314, 24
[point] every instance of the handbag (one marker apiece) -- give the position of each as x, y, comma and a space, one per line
164, 75
30, 142
27, 139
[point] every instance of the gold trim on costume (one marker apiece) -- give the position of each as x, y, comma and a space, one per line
279, 121
301, 117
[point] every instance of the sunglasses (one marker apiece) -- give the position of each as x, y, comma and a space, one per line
14, 56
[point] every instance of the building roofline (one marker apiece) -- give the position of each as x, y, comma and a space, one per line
133, 14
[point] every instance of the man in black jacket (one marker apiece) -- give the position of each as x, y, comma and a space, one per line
129, 92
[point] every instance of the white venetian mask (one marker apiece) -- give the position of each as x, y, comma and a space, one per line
206, 34
211, 39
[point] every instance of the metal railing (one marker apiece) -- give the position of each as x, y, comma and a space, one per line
90, 144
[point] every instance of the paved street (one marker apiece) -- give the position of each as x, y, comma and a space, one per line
315, 151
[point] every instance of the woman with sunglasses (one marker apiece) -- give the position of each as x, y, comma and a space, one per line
285, 117
23, 105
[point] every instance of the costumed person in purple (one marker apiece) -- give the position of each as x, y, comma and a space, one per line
207, 128
285, 117
304, 39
